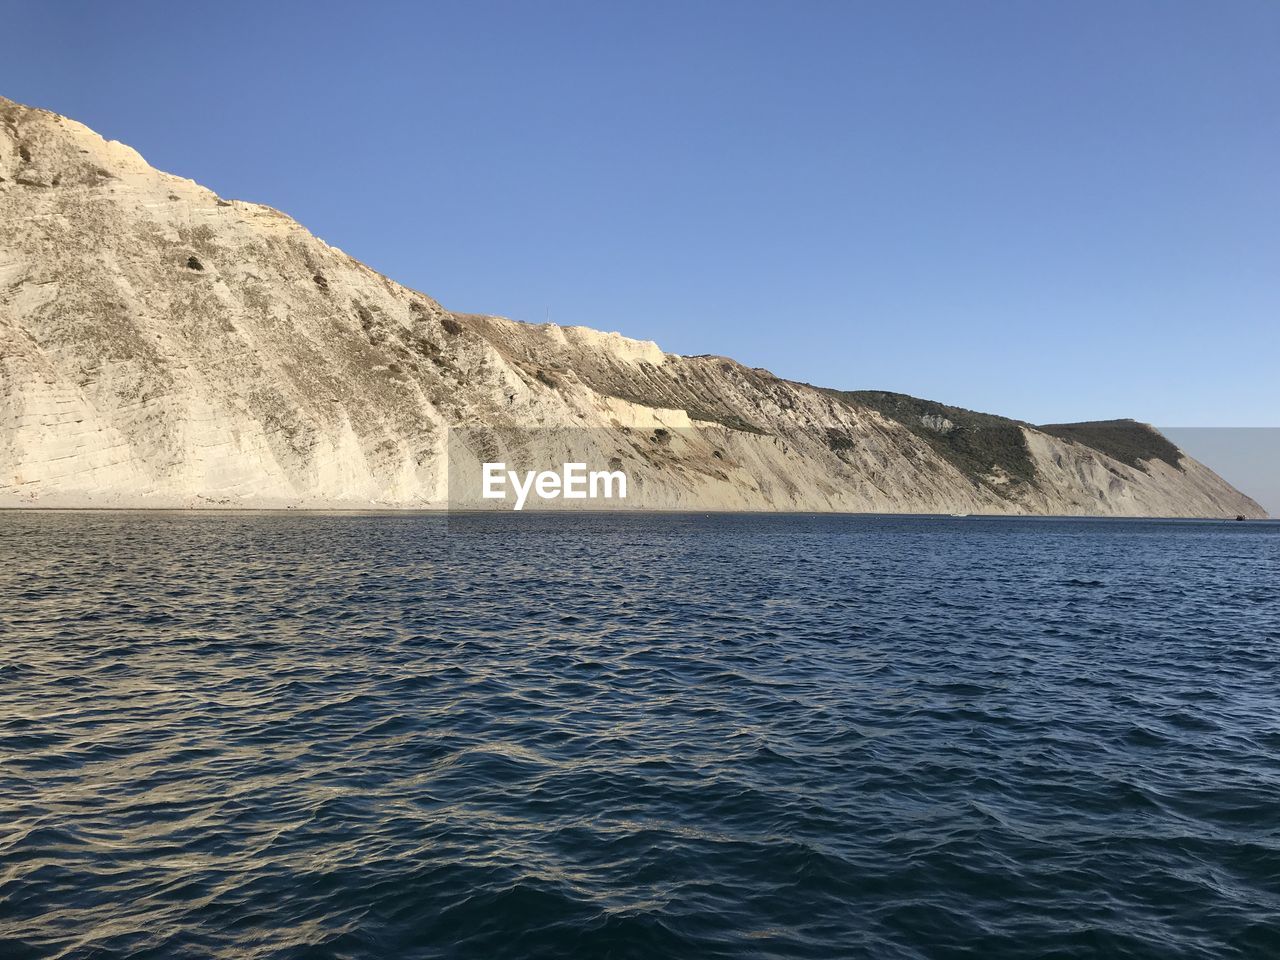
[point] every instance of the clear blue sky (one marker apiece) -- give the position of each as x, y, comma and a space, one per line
1054, 211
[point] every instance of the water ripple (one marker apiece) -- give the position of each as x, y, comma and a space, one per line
342, 736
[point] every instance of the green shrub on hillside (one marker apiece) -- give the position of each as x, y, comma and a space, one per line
1128, 441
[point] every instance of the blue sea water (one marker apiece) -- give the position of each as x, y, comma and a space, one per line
405, 736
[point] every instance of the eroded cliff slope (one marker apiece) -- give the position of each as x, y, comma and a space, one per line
162, 346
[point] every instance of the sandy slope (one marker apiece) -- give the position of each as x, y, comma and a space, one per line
160, 346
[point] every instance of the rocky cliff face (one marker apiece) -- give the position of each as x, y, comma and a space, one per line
162, 346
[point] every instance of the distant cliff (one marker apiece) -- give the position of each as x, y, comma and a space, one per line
161, 346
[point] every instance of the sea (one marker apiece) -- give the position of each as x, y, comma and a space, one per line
287, 735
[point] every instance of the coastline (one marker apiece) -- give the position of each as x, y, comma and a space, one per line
443, 510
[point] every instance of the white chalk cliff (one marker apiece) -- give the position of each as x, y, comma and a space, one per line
161, 346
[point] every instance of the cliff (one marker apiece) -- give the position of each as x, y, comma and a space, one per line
161, 346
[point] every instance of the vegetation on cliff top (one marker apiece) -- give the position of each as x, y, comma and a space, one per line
980, 445
1125, 440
